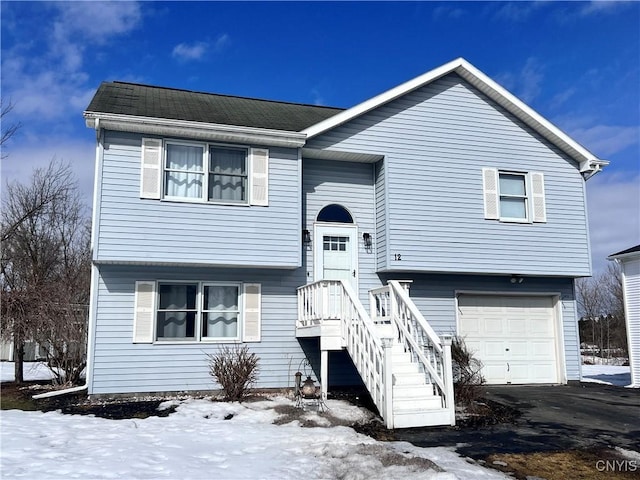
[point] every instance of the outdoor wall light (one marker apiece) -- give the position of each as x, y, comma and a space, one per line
366, 238
516, 279
306, 237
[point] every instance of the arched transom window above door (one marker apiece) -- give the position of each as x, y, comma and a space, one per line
334, 213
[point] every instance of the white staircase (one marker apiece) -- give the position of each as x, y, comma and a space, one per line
405, 366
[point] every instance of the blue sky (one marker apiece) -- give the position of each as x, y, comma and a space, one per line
576, 63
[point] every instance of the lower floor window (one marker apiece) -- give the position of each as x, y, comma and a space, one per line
195, 311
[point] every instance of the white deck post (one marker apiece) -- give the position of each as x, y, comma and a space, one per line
324, 374
388, 382
447, 377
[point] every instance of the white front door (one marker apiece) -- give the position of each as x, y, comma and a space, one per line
336, 253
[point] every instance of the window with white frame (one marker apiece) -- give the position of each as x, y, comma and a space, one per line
221, 175
511, 196
196, 311
202, 172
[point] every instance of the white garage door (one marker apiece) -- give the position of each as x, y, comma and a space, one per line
513, 336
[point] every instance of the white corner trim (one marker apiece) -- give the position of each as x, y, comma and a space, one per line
195, 130
588, 161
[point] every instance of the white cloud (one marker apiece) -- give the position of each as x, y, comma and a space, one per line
447, 11
80, 153
222, 42
525, 83
614, 214
45, 77
561, 97
194, 51
602, 6
606, 140
516, 11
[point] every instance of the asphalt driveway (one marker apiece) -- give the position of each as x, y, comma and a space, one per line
559, 417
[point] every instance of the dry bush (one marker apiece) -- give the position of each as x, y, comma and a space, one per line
235, 369
467, 376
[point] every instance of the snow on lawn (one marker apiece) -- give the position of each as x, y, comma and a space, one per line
608, 374
32, 371
196, 442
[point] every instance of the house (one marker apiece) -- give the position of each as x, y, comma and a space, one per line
629, 261
358, 239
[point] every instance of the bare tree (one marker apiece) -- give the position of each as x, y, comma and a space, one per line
601, 308
45, 262
7, 131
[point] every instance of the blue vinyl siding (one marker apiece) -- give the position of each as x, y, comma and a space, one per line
132, 229
120, 366
435, 142
352, 186
435, 297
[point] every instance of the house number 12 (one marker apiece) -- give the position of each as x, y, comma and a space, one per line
397, 257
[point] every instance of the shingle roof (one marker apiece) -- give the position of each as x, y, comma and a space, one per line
159, 102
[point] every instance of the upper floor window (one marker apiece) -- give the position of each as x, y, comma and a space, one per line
201, 172
514, 196
218, 175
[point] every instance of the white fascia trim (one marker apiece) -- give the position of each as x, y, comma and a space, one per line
624, 257
588, 162
196, 130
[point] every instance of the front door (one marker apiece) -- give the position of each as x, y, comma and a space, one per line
336, 253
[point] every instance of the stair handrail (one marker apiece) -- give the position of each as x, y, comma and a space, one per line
442, 347
370, 353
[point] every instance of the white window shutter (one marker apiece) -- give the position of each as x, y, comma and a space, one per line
252, 312
151, 168
145, 296
259, 176
537, 197
491, 198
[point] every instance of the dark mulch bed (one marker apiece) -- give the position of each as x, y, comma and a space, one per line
14, 396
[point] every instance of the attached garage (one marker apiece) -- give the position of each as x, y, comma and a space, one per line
515, 337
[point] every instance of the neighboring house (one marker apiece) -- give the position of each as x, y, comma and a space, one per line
629, 261
358, 239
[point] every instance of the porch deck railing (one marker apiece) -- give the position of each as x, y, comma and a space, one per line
371, 355
391, 305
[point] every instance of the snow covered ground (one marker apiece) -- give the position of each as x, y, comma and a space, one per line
608, 374
196, 442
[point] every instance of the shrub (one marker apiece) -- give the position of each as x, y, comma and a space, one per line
467, 376
235, 369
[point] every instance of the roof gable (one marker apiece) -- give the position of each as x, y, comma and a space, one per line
588, 162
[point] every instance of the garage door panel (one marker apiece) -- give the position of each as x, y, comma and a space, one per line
513, 336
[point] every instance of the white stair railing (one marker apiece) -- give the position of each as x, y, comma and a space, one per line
391, 305
371, 354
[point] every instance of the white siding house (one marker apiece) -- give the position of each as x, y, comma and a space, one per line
629, 261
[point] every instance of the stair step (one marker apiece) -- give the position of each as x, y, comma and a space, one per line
433, 402
400, 378
421, 418
405, 392
405, 367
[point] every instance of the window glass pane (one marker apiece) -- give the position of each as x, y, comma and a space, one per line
184, 171
188, 185
221, 297
220, 324
184, 157
513, 208
512, 184
227, 187
178, 297
228, 174
176, 325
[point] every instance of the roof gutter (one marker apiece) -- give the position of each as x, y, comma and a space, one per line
194, 130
